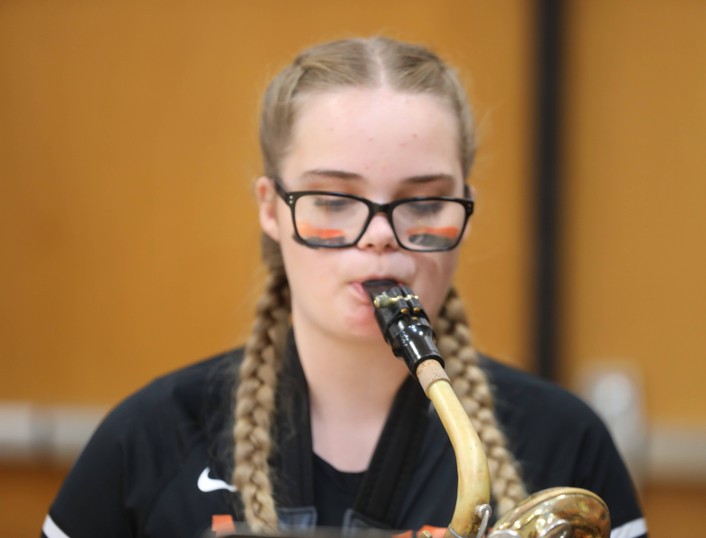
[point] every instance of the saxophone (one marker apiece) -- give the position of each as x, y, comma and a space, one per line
562, 512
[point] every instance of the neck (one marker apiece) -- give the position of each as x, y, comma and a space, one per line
351, 389
364, 373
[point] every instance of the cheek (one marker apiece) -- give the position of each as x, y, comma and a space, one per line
308, 271
435, 279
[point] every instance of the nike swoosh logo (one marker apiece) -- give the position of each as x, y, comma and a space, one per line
208, 484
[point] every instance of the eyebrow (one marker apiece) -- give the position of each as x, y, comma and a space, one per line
326, 173
430, 178
342, 174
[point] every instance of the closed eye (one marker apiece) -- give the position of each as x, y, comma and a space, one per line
424, 207
332, 203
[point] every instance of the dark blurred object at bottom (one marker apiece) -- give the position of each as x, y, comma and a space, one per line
316, 532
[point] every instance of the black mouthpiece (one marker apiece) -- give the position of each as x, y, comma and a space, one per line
376, 287
403, 322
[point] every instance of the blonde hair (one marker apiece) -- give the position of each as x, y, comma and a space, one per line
374, 62
363, 63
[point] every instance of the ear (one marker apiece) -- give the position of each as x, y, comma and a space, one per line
267, 206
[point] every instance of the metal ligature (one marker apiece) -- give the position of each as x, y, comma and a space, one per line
562, 512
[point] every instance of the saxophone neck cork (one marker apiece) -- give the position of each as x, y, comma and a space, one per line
429, 372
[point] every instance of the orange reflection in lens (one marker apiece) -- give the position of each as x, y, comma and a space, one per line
450, 232
306, 230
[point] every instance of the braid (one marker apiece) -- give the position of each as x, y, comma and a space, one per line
256, 403
471, 386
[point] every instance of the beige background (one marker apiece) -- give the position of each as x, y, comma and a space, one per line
128, 144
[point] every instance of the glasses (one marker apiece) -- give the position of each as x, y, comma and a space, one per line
325, 219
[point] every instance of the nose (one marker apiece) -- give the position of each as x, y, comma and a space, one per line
378, 236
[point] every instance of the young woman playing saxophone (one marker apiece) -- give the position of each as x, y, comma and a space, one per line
367, 152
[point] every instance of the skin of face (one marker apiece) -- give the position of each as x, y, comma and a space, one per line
377, 143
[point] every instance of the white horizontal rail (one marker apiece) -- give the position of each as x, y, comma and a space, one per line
676, 452
30, 432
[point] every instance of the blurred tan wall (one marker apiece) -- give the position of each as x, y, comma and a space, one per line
634, 235
128, 144
633, 247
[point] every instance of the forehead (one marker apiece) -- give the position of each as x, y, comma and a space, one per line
364, 130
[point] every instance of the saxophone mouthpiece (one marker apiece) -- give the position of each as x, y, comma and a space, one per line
403, 322
378, 287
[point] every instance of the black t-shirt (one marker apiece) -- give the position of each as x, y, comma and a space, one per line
159, 464
334, 492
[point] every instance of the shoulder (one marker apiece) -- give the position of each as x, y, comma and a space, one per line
540, 417
518, 393
175, 412
144, 446
184, 391
184, 396
558, 440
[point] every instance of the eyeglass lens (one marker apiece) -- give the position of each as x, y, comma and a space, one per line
328, 221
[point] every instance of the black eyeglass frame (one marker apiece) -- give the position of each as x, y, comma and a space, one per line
291, 197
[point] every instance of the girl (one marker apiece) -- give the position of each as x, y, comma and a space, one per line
367, 146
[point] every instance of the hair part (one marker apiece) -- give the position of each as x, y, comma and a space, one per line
376, 62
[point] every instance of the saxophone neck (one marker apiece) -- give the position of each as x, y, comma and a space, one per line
405, 326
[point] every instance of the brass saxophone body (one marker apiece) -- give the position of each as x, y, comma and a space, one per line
553, 513
556, 513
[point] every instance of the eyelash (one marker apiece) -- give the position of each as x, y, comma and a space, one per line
332, 203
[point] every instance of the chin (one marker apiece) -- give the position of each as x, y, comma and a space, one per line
361, 324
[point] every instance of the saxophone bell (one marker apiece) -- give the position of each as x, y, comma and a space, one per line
560, 512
